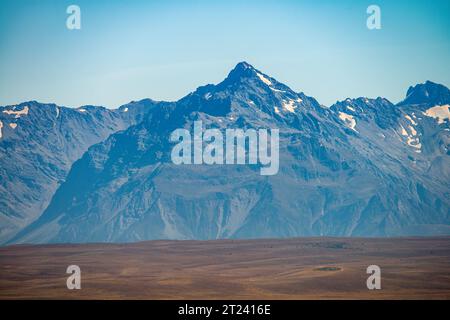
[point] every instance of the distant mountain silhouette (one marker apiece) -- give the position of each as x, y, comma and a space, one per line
428, 93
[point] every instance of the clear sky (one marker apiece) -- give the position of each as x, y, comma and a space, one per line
128, 50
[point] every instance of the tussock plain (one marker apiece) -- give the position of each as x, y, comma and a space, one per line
300, 268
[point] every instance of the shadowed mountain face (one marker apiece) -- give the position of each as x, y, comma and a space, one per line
38, 145
363, 167
428, 93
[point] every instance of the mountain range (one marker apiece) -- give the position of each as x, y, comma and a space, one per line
38, 145
361, 167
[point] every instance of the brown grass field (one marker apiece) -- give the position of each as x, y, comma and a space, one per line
301, 268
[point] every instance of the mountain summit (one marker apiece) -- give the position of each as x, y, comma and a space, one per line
244, 73
428, 93
242, 69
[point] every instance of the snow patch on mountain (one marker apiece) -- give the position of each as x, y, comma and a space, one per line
411, 120
404, 132
412, 139
414, 142
18, 113
348, 119
440, 113
264, 79
289, 105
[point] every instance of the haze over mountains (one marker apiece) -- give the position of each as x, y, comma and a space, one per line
362, 167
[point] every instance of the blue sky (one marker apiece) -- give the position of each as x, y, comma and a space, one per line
128, 50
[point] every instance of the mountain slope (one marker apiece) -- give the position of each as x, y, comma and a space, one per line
38, 145
346, 170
